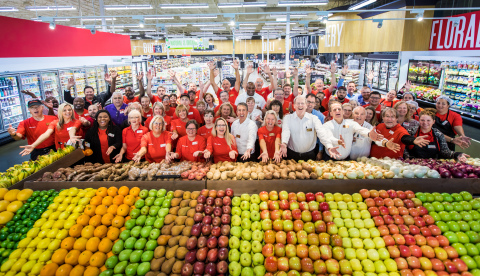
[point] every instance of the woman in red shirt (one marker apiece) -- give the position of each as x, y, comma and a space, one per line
269, 137
103, 137
155, 145
65, 129
390, 100
159, 109
450, 124
131, 137
226, 112
206, 130
190, 147
147, 111
221, 145
178, 126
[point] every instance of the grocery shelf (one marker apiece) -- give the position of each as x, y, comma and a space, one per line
470, 118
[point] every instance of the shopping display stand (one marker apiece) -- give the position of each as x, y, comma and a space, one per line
63, 162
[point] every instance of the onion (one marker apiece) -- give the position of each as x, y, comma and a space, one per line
433, 174
472, 175
408, 174
457, 174
445, 174
395, 170
351, 175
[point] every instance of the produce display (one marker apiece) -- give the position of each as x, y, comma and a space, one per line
19, 172
130, 171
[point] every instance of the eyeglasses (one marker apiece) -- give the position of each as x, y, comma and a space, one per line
310, 102
189, 128
158, 123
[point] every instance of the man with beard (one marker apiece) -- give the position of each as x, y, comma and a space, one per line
245, 132
259, 89
300, 131
117, 109
129, 96
92, 110
161, 91
250, 92
192, 112
192, 88
374, 99
82, 114
345, 129
34, 127
341, 95
226, 85
361, 145
89, 91
319, 85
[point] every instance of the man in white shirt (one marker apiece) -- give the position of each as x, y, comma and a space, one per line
245, 132
250, 92
344, 129
361, 145
254, 114
300, 131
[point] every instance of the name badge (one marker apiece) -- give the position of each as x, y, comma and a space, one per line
271, 134
190, 113
87, 144
238, 135
139, 131
309, 129
406, 124
68, 128
163, 145
431, 146
345, 126
391, 132
195, 143
232, 95
445, 122
378, 111
111, 135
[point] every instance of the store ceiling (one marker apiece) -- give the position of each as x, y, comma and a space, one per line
85, 8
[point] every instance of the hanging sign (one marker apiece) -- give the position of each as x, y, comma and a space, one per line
187, 43
460, 32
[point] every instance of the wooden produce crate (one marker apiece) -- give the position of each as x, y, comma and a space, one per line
169, 185
63, 162
349, 186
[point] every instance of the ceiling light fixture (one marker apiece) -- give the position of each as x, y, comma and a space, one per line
247, 28
208, 25
201, 33
52, 25
184, 6
50, 8
128, 7
284, 16
130, 33
248, 24
199, 17
176, 25
97, 19
232, 23
361, 4
279, 23
302, 3
141, 23
159, 17
379, 21
214, 29
143, 30
8, 9
242, 5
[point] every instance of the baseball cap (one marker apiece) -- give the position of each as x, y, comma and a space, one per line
34, 102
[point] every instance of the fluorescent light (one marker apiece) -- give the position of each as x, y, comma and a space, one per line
158, 17
291, 15
8, 9
361, 4
128, 7
279, 23
208, 25
143, 30
214, 29
302, 3
198, 17
248, 24
201, 33
175, 35
271, 28
61, 19
50, 8
184, 6
155, 33
129, 33
98, 19
178, 25
51, 26
242, 5
247, 28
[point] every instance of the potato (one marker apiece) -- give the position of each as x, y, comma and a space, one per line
223, 176
247, 170
246, 176
254, 175
222, 168
210, 175
216, 175
230, 174
239, 175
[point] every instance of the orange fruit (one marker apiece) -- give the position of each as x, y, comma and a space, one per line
49, 269
105, 245
123, 210
90, 210
80, 244
118, 200
127, 218
112, 209
112, 191
123, 190
107, 219
83, 219
91, 271
102, 191
87, 231
135, 191
98, 259
84, 258
75, 231
123, 228
77, 271
92, 244
64, 270
129, 200
59, 256
100, 231
67, 243
101, 210
103, 268
118, 221
95, 221
96, 200
72, 257
110, 254
108, 200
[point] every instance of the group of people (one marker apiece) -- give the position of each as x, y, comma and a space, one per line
277, 121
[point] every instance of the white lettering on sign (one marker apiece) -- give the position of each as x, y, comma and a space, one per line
271, 46
460, 32
148, 48
333, 35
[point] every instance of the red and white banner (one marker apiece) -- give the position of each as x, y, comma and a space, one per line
460, 32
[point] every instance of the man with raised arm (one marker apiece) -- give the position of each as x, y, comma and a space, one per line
226, 85
319, 85
90, 97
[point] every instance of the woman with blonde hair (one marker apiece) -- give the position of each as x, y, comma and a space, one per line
221, 145
371, 115
405, 115
347, 111
179, 125
133, 106
65, 129
269, 137
159, 109
155, 145
131, 137
226, 112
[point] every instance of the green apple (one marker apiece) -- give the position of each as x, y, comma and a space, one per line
373, 255
234, 269
466, 196
255, 198
333, 205
236, 211
379, 242
362, 206
255, 216
349, 223
254, 207
246, 224
245, 205
361, 254
234, 242
357, 243
445, 216
350, 253
469, 261
447, 206
336, 213
161, 193
352, 206
342, 206
347, 243
143, 193
460, 248
383, 253
343, 232
359, 223
233, 255
475, 214
256, 225
368, 244
329, 197
356, 214
369, 223
257, 247
354, 233
158, 201
374, 233
236, 231
247, 271
258, 259
356, 197
259, 270
245, 215
236, 201
245, 197
266, 224
236, 220
364, 233
257, 235
245, 247
338, 222
163, 212
247, 234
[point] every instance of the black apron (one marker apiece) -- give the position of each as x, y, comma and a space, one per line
430, 151
446, 128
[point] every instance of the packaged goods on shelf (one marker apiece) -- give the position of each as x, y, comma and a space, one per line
462, 85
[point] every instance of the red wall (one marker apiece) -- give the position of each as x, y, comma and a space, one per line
26, 38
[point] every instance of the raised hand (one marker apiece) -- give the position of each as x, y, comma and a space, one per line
235, 64
421, 141
392, 146
140, 76
71, 83
108, 79
267, 69
463, 157
333, 67
408, 85
308, 70
370, 76
26, 150
113, 74
374, 135
345, 70
50, 105
249, 69
288, 74
172, 74
149, 75
216, 72
264, 157
211, 65
274, 71
11, 130
174, 136
31, 94
295, 71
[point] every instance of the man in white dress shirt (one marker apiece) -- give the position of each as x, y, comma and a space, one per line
245, 132
361, 146
345, 129
300, 131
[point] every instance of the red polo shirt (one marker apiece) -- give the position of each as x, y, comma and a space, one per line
32, 129
232, 95
220, 149
264, 92
127, 101
156, 146
205, 132
396, 132
62, 136
133, 140
269, 137
186, 148
192, 114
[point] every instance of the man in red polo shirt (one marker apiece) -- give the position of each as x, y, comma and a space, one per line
319, 85
226, 85
279, 95
224, 99
374, 99
192, 87
259, 89
161, 91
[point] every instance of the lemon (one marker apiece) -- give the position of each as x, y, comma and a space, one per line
42, 234
48, 224
62, 234
84, 201
74, 216
44, 243
35, 255
63, 193
39, 222
27, 267
16, 254
78, 209
26, 253
69, 223
54, 245
21, 273
47, 213
37, 268
70, 208
52, 233
73, 191
8, 265
54, 215
81, 193
11, 273
45, 256
18, 264
64, 215
62, 207
59, 199
53, 206
58, 224
90, 194
32, 233
68, 200
24, 242
34, 242
75, 200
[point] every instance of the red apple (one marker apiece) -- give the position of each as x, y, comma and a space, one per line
425, 231
383, 194
275, 214
401, 263
271, 264
284, 204
378, 221
303, 205
414, 230
437, 265
310, 197
401, 194
393, 229
392, 193
268, 250
374, 211
435, 230
269, 236
422, 210
398, 202
408, 220
273, 195
287, 215
413, 262
409, 194
301, 196
379, 201
265, 214
281, 237
316, 216
263, 196
427, 251
399, 239
229, 192
394, 251
392, 210
402, 211
365, 193
292, 196
327, 216
409, 240
433, 242
408, 203
387, 219
428, 219
319, 197
442, 240
404, 251
398, 219
451, 252
297, 214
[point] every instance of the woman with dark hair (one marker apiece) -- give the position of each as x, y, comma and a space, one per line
104, 137
191, 146
277, 106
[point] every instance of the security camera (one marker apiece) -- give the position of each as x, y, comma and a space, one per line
93, 31
380, 24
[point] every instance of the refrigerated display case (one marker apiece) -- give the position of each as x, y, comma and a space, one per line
424, 72
100, 71
125, 77
64, 76
50, 82
30, 82
10, 102
385, 73
80, 81
91, 78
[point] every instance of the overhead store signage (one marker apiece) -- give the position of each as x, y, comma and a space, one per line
304, 45
333, 35
460, 32
187, 43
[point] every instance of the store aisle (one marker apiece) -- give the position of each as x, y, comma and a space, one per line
9, 155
